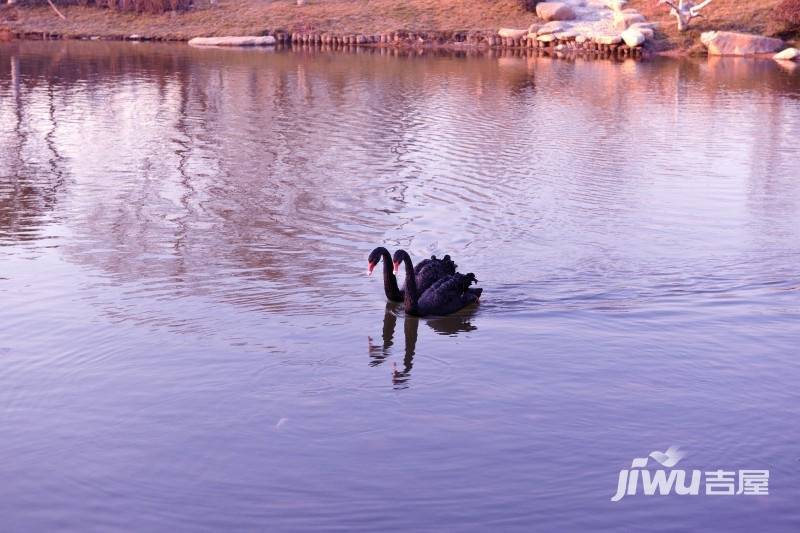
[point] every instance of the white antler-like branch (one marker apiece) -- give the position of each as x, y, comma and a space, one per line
695, 10
685, 11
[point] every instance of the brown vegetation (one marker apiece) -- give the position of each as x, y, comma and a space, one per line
139, 6
788, 13
143, 6
253, 17
730, 15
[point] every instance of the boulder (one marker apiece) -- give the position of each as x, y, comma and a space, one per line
511, 33
551, 27
233, 41
790, 54
622, 20
565, 35
633, 37
648, 28
607, 39
533, 28
554, 11
728, 43
645, 28
615, 5
547, 38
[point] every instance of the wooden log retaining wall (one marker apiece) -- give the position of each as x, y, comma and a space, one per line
455, 40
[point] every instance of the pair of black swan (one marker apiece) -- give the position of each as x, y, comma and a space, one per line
433, 287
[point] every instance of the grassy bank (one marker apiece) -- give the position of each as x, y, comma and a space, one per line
756, 16
249, 17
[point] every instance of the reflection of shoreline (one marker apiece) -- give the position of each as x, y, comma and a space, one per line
229, 182
449, 325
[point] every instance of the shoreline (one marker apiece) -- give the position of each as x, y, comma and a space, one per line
315, 24
453, 41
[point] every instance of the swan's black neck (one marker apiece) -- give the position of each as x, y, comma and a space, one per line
389, 279
410, 297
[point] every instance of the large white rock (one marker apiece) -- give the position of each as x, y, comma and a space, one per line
624, 19
790, 54
565, 35
511, 33
633, 37
707, 36
233, 41
607, 39
615, 5
554, 11
728, 43
551, 27
645, 28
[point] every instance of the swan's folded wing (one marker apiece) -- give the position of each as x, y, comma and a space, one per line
448, 289
433, 271
444, 266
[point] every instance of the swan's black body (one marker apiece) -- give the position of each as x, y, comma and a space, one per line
429, 271
447, 295
426, 273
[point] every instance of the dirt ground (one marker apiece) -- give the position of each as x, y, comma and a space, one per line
731, 15
248, 17
252, 17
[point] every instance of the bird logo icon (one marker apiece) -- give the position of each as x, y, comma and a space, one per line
670, 457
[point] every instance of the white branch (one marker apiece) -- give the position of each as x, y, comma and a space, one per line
696, 9
59, 13
685, 11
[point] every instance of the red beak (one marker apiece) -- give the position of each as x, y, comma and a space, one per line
396, 267
370, 268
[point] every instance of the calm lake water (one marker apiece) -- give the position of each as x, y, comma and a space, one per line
189, 341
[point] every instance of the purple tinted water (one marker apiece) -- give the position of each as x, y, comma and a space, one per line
189, 341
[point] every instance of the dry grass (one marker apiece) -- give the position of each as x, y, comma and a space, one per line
755, 16
247, 17
788, 13
140, 6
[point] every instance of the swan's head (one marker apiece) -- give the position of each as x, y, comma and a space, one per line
375, 257
399, 257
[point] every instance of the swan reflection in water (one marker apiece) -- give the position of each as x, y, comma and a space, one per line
447, 325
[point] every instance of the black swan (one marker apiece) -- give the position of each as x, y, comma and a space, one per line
447, 295
393, 292
426, 273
